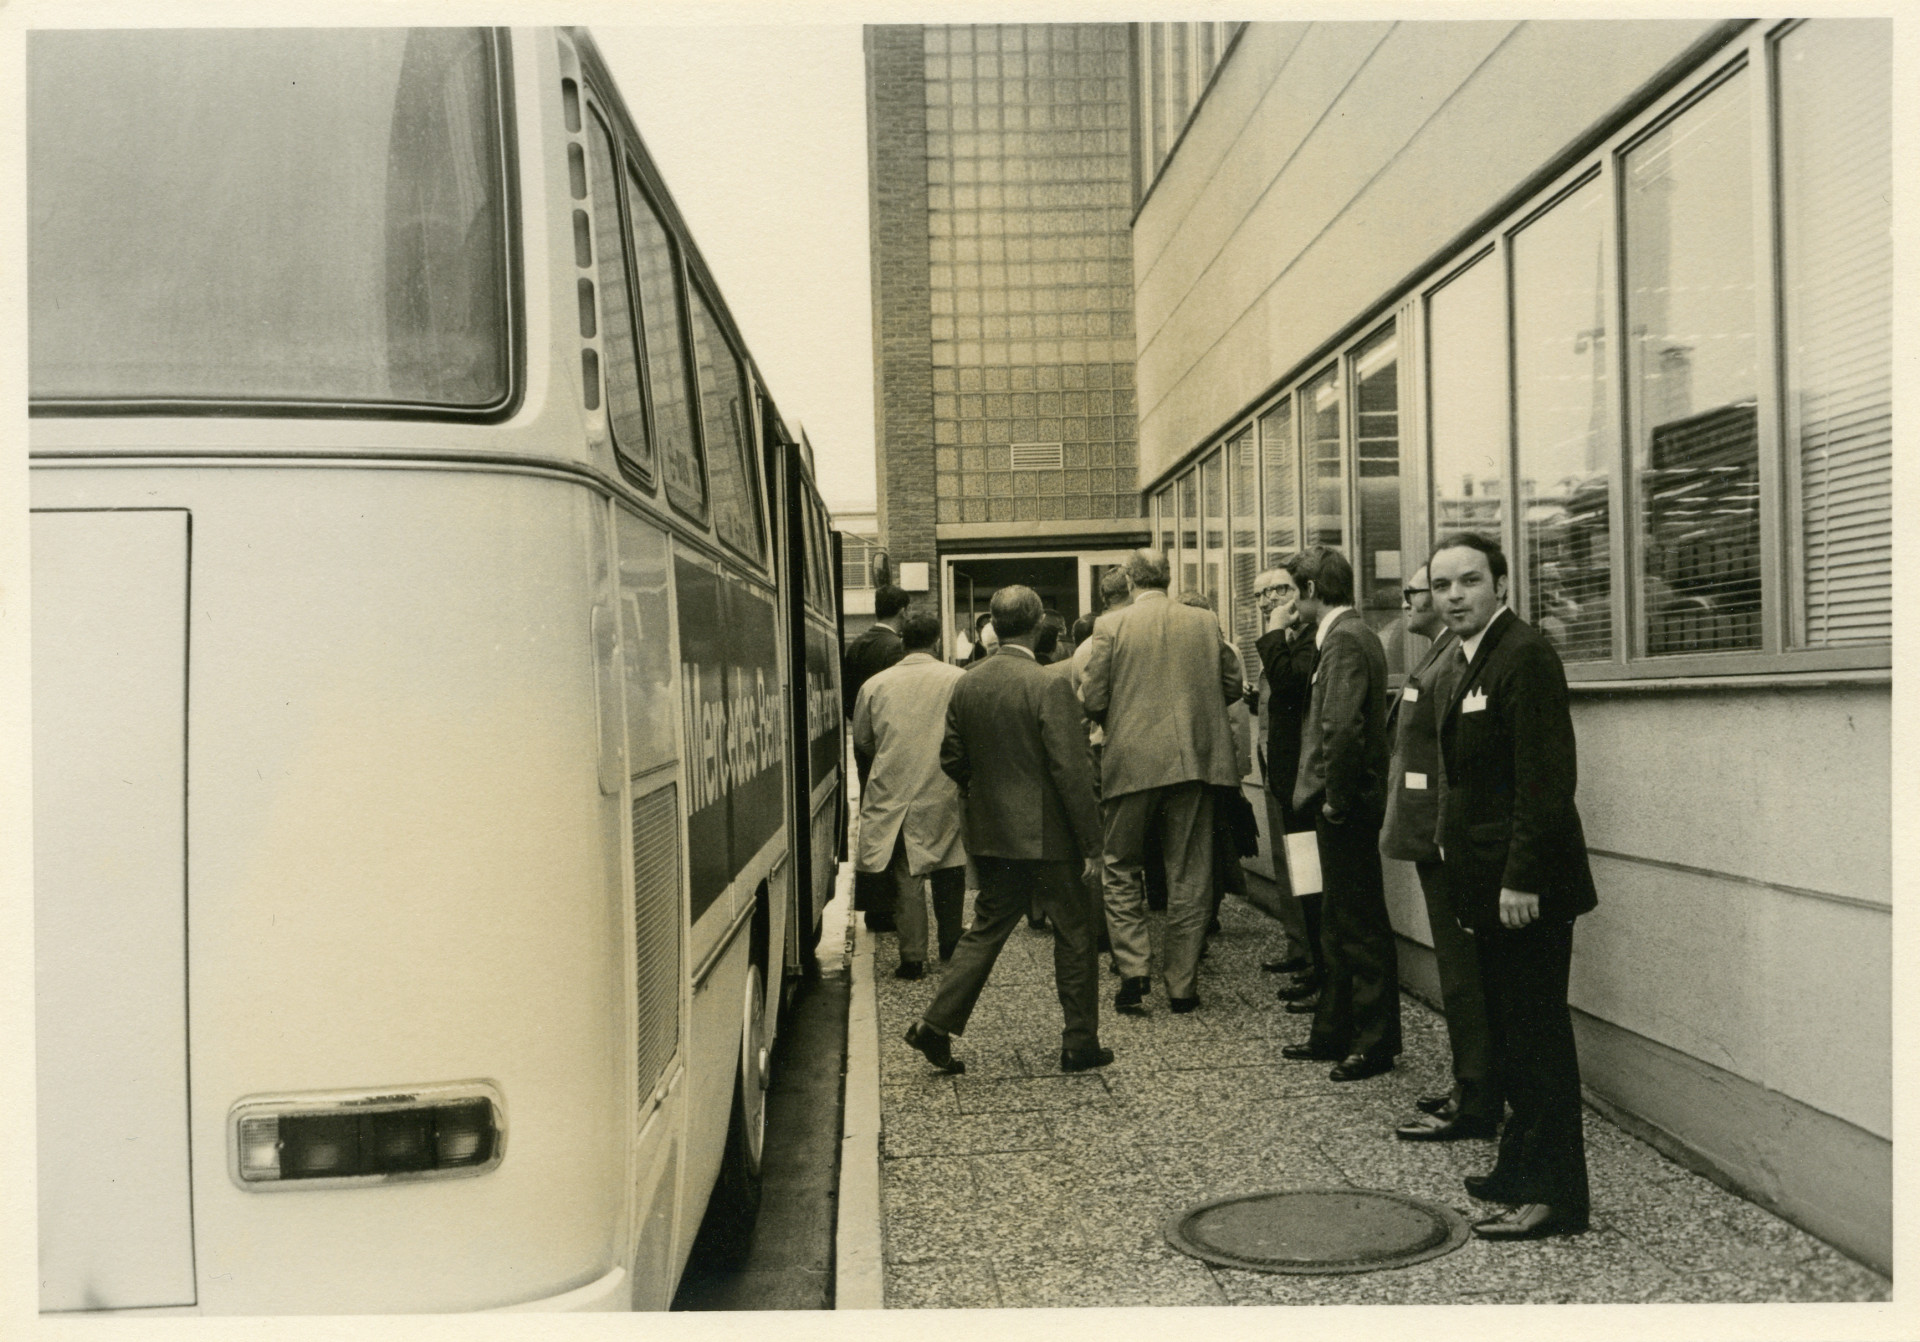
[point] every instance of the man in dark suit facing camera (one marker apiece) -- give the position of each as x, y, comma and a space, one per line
1017, 746
1516, 864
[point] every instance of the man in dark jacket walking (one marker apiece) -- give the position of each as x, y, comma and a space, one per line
1287, 656
875, 649
1016, 746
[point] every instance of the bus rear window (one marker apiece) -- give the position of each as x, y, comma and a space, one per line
299, 216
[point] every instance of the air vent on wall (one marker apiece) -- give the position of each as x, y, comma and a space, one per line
1038, 457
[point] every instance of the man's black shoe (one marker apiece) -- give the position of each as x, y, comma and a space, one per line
1358, 1067
1434, 1128
1532, 1220
1293, 964
1435, 1104
1037, 921
1113, 964
1309, 1053
946, 949
1180, 1006
1490, 1188
911, 969
936, 1046
1299, 988
1306, 1006
879, 922
1081, 1060
1131, 992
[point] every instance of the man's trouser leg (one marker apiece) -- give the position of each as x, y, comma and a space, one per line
909, 905
1186, 834
1076, 965
1542, 1150
998, 909
1462, 1001
949, 905
1333, 1022
1292, 917
1122, 846
1368, 948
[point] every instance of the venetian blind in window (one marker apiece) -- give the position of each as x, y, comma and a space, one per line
1836, 122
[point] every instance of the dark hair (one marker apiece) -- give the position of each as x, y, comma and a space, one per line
1052, 627
1473, 540
889, 601
1203, 600
1148, 568
1016, 610
1327, 569
1083, 629
980, 620
921, 629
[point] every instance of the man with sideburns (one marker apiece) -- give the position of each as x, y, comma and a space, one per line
1515, 865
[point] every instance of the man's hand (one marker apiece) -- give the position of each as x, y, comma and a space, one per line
1517, 909
1092, 870
1333, 817
1282, 614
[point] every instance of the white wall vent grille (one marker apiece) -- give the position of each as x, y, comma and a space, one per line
1038, 457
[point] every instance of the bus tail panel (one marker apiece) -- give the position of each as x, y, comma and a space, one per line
110, 715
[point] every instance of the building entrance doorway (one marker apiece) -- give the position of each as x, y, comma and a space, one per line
1067, 583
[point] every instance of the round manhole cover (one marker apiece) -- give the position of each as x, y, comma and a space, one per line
1317, 1230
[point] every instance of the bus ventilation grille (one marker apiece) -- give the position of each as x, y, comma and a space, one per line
656, 932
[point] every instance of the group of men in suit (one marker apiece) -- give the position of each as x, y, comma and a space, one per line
1468, 772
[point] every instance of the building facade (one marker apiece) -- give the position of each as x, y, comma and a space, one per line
1003, 177
1618, 293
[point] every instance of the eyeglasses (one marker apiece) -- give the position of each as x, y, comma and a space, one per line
1407, 594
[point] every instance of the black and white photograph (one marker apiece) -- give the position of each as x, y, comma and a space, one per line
872, 657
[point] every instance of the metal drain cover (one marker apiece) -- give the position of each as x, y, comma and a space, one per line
1315, 1230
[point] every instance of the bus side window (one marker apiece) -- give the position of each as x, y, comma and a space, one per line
729, 438
663, 333
626, 411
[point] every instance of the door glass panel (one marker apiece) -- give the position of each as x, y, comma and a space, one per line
1320, 446
1467, 404
1279, 475
1376, 449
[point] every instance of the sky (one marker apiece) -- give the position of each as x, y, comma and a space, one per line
760, 132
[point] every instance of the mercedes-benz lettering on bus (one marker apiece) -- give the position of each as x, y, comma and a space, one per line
435, 667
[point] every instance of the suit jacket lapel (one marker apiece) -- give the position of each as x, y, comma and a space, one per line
1496, 631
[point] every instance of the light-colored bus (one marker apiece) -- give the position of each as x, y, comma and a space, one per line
436, 770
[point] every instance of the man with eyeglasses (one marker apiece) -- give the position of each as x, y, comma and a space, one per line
1286, 651
1515, 862
1471, 1108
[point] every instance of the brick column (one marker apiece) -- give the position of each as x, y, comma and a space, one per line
903, 367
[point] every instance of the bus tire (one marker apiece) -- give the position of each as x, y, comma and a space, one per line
736, 1192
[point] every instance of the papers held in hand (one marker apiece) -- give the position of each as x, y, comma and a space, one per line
1303, 862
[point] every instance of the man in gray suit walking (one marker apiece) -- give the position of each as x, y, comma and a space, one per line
1160, 678
1017, 747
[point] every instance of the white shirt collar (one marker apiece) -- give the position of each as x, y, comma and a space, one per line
1470, 646
1327, 617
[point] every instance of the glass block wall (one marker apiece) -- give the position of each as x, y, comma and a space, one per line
1029, 193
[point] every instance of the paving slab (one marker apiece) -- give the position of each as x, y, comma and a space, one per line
1016, 1186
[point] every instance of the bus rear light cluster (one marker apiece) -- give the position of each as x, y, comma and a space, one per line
309, 1141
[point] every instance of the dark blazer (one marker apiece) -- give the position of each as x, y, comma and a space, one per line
1343, 743
1411, 829
877, 648
1287, 656
1017, 746
1508, 819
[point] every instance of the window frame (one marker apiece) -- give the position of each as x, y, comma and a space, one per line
750, 444
644, 474
1782, 569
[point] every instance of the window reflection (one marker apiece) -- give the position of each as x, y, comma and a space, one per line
1320, 446
1189, 574
1280, 471
1376, 450
1243, 537
1560, 419
1466, 339
1692, 379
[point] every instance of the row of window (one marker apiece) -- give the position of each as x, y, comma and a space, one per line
1176, 61
1665, 385
677, 397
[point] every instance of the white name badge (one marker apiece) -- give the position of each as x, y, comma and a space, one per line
1411, 694
1474, 702
1418, 782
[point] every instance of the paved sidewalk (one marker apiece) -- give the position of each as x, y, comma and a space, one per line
1014, 1185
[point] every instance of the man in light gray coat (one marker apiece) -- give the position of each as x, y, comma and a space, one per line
1159, 678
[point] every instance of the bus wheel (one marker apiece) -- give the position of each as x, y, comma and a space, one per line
736, 1193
